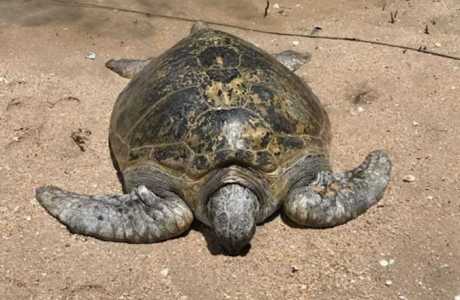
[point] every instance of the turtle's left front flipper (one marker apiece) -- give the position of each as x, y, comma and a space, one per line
138, 217
333, 199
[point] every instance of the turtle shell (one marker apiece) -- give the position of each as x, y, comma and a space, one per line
214, 100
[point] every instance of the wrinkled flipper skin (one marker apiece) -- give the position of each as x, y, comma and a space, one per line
127, 68
292, 60
334, 199
138, 217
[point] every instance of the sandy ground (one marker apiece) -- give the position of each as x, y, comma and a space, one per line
377, 97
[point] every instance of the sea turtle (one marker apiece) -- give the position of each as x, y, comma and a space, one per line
218, 130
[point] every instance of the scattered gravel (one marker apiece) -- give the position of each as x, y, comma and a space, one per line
386, 263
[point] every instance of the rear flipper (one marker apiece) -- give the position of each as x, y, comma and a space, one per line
334, 199
127, 68
292, 60
138, 217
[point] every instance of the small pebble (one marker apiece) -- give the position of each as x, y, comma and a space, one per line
91, 56
384, 263
295, 43
409, 178
164, 272
388, 282
401, 297
415, 123
276, 6
429, 198
357, 110
303, 287
294, 269
438, 45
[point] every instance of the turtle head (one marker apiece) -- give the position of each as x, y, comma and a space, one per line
232, 213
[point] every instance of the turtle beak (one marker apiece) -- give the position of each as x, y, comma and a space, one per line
232, 210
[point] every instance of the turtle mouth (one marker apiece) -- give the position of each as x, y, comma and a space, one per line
236, 247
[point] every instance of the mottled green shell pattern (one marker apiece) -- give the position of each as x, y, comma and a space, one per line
212, 101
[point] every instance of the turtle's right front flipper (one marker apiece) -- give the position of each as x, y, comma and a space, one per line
127, 68
335, 198
138, 217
